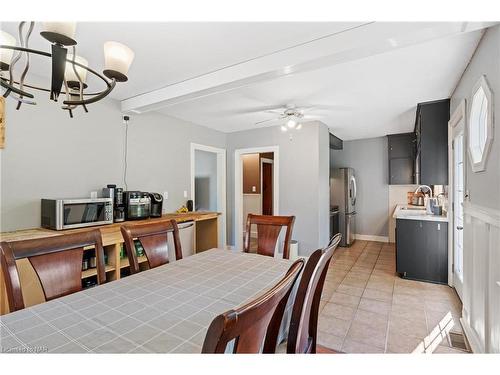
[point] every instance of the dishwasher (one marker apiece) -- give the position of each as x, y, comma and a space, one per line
186, 236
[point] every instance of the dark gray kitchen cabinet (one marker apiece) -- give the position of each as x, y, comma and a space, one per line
431, 132
401, 149
422, 250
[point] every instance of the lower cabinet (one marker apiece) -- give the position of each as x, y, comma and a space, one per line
422, 250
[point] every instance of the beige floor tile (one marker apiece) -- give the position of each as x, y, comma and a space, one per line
371, 319
398, 342
339, 311
344, 299
330, 341
446, 350
353, 281
326, 294
379, 307
406, 299
354, 347
349, 289
379, 295
408, 312
367, 334
380, 285
333, 326
415, 328
360, 273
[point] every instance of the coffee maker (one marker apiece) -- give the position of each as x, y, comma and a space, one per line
111, 191
156, 204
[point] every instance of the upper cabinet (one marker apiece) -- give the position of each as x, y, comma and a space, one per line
401, 149
431, 131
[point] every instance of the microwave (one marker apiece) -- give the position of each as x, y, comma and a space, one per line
60, 214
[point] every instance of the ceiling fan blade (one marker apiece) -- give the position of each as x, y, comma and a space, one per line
262, 122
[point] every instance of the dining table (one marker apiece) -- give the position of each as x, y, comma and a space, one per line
167, 309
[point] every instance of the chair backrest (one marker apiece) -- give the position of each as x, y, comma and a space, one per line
249, 325
154, 240
56, 260
268, 231
302, 335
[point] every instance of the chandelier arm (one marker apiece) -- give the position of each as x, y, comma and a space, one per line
77, 74
10, 88
27, 65
48, 90
96, 98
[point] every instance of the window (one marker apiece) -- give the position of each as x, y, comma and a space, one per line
480, 125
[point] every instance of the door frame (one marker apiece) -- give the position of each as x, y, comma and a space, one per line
221, 185
238, 187
264, 161
457, 120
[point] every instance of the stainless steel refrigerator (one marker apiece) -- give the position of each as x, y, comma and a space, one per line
343, 194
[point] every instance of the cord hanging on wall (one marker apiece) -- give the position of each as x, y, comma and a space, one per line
126, 119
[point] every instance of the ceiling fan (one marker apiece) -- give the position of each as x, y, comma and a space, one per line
291, 116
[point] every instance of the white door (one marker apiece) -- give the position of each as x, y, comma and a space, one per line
458, 214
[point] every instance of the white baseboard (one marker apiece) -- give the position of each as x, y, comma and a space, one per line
474, 342
367, 237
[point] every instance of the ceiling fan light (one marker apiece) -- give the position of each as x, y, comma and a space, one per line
117, 60
299, 126
60, 32
291, 124
69, 73
283, 128
6, 54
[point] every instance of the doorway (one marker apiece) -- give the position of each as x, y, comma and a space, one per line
256, 186
208, 183
456, 140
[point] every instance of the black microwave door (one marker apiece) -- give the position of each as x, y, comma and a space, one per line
83, 213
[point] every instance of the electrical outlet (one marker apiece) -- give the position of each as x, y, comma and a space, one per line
185, 194
93, 194
165, 195
254, 189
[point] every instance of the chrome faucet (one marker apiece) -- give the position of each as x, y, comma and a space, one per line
424, 186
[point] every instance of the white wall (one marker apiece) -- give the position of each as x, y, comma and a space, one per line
47, 154
481, 291
303, 179
369, 158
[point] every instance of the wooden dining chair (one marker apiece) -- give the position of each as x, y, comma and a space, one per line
268, 231
154, 239
56, 260
302, 335
251, 325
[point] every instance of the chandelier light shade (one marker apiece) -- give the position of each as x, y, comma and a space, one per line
6, 54
69, 71
73, 73
60, 32
117, 60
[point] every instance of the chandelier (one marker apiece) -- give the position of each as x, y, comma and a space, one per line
68, 69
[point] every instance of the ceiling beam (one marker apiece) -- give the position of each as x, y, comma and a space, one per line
358, 42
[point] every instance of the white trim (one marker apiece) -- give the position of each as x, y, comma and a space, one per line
474, 342
369, 237
481, 164
458, 120
238, 187
488, 215
221, 185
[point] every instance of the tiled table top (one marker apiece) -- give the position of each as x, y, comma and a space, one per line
164, 310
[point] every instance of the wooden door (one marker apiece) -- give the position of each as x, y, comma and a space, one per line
267, 188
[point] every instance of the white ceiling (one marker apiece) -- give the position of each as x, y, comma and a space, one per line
375, 92
375, 96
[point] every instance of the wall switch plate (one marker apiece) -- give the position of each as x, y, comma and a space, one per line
165, 195
185, 194
93, 194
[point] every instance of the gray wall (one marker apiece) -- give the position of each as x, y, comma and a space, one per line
484, 187
205, 174
303, 181
48, 154
368, 157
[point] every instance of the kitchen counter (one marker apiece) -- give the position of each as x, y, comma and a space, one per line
409, 212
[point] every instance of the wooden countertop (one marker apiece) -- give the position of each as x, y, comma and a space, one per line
110, 233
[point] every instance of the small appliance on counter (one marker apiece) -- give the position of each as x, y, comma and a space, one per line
137, 205
189, 205
156, 204
62, 214
119, 213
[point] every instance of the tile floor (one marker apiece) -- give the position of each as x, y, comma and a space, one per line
367, 308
